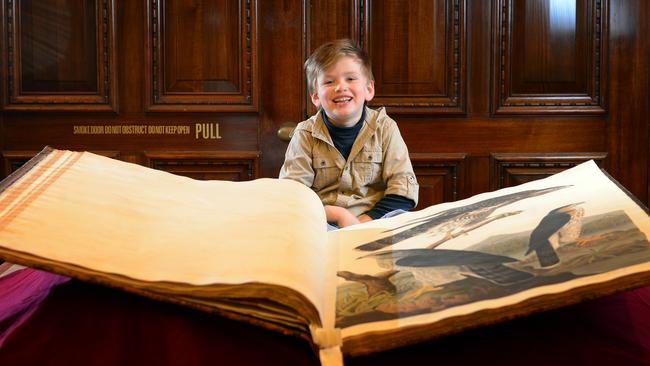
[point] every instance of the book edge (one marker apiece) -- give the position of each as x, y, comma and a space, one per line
25, 168
627, 192
373, 342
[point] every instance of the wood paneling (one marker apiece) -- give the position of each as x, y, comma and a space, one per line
283, 42
216, 165
629, 110
12, 160
201, 55
327, 20
474, 85
550, 56
440, 177
513, 169
417, 48
60, 55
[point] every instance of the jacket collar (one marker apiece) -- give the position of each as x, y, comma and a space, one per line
370, 125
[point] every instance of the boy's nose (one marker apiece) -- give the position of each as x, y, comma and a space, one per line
341, 86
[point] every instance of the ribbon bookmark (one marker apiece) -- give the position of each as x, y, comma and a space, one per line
329, 342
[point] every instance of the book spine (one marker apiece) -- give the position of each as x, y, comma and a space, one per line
13, 177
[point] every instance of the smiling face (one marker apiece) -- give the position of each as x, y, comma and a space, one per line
341, 91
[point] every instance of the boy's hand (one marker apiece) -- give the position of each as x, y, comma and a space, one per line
364, 218
341, 216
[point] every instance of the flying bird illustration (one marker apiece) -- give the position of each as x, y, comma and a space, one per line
436, 267
456, 221
560, 226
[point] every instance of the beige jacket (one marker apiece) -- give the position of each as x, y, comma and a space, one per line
378, 164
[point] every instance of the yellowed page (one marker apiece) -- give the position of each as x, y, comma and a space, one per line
402, 284
149, 225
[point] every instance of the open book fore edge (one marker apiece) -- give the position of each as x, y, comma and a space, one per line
103, 279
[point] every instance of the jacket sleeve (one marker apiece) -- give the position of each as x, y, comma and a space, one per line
398, 171
298, 160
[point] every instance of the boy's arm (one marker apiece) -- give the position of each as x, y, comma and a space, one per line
389, 203
364, 218
401, 185
397, 170
297, 160
340, 216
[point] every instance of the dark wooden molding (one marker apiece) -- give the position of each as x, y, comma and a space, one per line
445, 91
167, 93
101, 93
439, 175
207, 165
510, 169
541, 94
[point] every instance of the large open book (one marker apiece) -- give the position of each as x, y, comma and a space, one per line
259, 251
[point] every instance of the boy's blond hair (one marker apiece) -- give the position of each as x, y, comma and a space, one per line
328, 54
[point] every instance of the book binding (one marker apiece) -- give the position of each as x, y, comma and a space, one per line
329, 342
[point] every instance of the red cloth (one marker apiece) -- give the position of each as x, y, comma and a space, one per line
82, 324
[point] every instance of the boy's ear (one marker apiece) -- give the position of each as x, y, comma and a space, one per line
371, 90
315, 100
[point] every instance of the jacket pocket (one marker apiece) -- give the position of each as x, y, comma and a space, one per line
368, 166
326, 172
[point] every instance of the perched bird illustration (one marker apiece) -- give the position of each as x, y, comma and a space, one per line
560, 226
436, 267
374, 284
456, 221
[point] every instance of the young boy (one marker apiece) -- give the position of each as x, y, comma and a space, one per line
352, 156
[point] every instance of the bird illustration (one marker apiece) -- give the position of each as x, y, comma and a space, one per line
373, 284
560, 226
455, 221
436, 267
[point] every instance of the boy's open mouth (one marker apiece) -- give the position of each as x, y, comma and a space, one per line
343, 100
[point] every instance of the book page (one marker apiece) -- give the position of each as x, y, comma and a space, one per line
490, 251
120, 218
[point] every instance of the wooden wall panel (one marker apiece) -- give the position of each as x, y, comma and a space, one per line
482, 84
418, 53
513, 169
60, 55
206, 165
201, 56
327, 20
550, 56
12, 160
440, 177
629, 112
